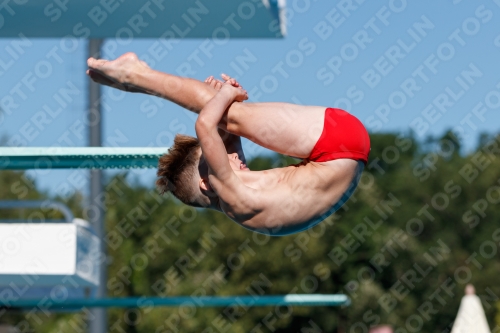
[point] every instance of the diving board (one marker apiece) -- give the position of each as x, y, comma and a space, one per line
43, 259
23, 158
125, 21
186, 301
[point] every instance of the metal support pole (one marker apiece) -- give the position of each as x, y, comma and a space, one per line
98, 320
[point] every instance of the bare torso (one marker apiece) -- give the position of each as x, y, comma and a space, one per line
292, 198
289, 198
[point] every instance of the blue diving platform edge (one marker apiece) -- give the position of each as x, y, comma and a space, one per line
23, 158
182, 301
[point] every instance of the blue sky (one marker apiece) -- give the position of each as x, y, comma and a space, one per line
396, 65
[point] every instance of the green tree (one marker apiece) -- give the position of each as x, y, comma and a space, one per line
422, 224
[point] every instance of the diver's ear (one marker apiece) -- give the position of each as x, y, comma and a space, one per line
205, 184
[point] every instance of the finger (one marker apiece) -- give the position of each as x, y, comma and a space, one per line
218, 85
95, 63
225, 77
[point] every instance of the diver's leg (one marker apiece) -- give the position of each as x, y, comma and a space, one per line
285, 128
128, 73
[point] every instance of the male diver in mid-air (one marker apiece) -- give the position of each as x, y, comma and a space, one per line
210, 171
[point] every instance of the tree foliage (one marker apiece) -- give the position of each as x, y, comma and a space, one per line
422, 224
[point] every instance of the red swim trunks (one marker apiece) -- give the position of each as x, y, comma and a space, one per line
344, 136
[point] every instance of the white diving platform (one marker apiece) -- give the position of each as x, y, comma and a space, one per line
55, 260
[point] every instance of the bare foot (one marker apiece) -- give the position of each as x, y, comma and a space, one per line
118, 73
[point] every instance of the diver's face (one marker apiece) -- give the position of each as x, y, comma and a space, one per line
236, 163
